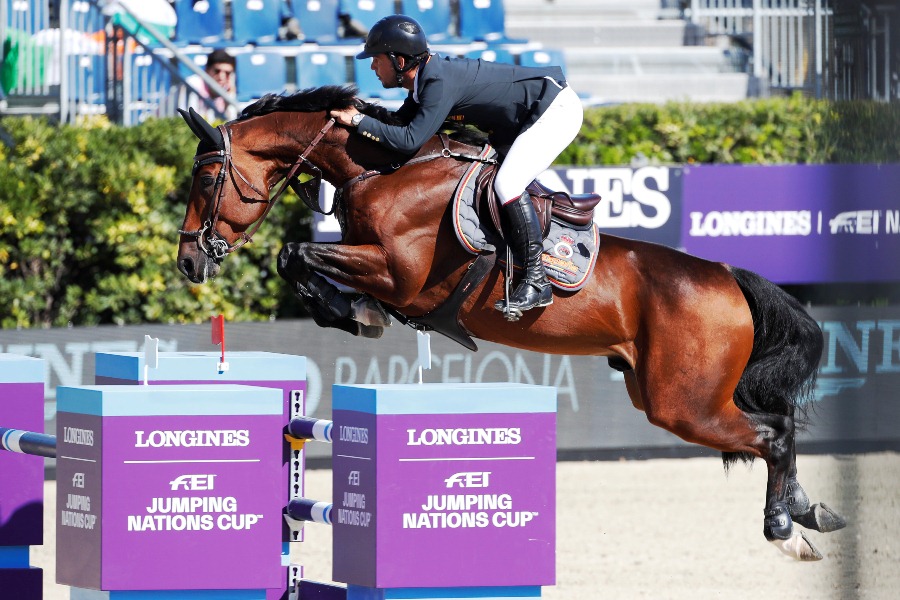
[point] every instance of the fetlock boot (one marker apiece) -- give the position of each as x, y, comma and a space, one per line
524, 238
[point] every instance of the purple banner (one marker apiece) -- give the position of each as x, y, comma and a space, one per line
796, 223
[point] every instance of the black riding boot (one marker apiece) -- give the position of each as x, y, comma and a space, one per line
524, 237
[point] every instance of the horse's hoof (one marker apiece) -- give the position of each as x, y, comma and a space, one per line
369, 311
821, 517
370, 331
798, 547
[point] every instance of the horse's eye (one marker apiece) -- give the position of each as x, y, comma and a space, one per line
207, 180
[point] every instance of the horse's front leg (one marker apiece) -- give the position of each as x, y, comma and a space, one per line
302, 264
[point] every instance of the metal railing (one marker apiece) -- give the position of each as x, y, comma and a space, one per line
790, 40
73, 62
867, 46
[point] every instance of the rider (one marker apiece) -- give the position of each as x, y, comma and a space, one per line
530, 114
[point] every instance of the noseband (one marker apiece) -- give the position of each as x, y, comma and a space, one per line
208, 239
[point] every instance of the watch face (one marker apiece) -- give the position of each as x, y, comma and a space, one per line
356, 119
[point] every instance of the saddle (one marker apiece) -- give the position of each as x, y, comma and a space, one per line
570, 239
576, 210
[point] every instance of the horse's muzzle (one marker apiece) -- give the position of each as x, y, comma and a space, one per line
197, 268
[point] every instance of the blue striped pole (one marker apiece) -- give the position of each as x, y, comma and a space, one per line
28, 442
304, 509
308, 428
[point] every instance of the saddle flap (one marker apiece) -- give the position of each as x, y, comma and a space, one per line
488, 205
569, 251
576, 210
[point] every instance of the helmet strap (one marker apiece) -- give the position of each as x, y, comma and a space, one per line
411, 61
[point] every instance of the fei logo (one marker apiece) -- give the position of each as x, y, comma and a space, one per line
193, 482
856, 221
473, 479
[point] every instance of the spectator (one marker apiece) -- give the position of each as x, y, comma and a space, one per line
221, 66
290, 26
348, 27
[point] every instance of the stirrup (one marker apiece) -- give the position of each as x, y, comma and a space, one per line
528, 295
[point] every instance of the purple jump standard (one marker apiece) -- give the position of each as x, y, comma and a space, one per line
21, 478
285, 372
444, 490
168, 492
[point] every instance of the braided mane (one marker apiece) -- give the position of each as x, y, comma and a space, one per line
309, 100
341, 96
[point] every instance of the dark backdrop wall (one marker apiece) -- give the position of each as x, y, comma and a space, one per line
856, 406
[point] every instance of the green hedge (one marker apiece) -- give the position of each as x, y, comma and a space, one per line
775, 131
89, 214
88, 231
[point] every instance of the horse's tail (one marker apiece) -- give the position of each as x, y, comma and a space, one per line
787, 346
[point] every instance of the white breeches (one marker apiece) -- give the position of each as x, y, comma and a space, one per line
536, 149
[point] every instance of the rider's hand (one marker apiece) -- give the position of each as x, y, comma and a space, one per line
344, 115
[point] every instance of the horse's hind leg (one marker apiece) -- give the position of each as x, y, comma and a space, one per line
698, 405
819, 517
776, 434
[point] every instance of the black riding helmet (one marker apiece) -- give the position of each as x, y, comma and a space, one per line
397, 35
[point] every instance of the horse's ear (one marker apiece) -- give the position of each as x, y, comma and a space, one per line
190, 122
204, 130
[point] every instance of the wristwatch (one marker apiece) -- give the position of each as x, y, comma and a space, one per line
356, 119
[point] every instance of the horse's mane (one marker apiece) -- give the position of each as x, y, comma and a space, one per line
308, 100
341, 96
317, 99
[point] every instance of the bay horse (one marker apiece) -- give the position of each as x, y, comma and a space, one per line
715, 354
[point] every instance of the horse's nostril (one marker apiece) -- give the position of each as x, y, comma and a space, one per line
187, 266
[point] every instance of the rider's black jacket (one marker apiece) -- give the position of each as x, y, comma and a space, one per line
501, 100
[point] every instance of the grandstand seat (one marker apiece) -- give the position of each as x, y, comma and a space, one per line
543, 58
148, 76
87, 78
27, 16
367, 12
370, 86
260, 73
199, 21
498, 55
319, 21
484, 20
148, 84
436, 18
315, 69
255, 21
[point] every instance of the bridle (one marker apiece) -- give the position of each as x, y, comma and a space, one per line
208, 238
216, 247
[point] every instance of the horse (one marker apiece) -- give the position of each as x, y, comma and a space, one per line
715, 354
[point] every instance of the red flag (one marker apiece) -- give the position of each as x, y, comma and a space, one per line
218, 329
218, 332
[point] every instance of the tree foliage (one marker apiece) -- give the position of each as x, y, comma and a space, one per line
89, 227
